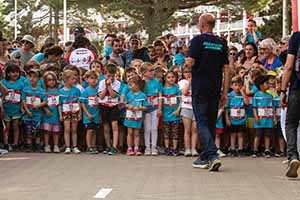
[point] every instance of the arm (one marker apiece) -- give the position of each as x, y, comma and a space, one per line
177, 112
47, 111
288, 70
60, 113
228, 123
27, 111
86, 111
112, 93
255, 115
40, 105
102, 94
256, 39
3, 89
225, 85
186, 89
159, 110
247, 89
244, 39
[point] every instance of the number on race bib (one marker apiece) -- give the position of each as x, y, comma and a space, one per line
53, 100
265, 112
134, 115
237, 112
70, 108
13, 97
32, 100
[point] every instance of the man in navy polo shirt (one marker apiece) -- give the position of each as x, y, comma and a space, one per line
208, 58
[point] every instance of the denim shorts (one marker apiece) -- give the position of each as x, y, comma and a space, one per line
32, 128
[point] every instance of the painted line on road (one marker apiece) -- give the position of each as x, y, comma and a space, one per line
102, 193
20, 158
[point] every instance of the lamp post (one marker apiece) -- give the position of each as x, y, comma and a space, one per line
65, 21
16, 18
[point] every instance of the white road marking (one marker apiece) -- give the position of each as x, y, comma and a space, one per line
20, 158
102, 193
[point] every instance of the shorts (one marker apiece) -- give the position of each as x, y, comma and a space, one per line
72, 116
188, 113
32, 128
53, 128
109, 114
92, 126
250, 123
236, 128
9, 118
219, 131
279, 133
171, 130
263, 132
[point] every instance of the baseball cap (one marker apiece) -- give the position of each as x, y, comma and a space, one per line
78, 30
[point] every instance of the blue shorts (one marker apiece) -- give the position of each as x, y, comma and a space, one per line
32, 128
92, 126
263, 132
9, 118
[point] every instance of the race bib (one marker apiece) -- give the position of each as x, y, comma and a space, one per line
14, 96
93, 101
53, 100
187, 99
70, 108
134, 115
170, 100
153, 101
32, 100
265, 112
237, 113
278, 112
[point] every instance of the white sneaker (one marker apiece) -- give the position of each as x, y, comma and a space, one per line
67, 150
220, 153
147, 152
187, 153
76, 150
3, 152
47, 149
154, 152
194, 153
56, 149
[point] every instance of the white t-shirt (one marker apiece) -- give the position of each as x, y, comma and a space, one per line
187, 98
108, 101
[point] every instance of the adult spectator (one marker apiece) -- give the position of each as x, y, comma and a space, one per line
79, 31
135, 52
161, 54
4, 57
250, 55
52, 55
208, 58
116, 54
26, 52
271, 61
108, 44
283, 47
252, 35
41, 55
291, 77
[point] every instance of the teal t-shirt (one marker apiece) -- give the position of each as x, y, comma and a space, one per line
263, 103
236, 108
89, 98
69, 100
52, 104
170, 103
153, 88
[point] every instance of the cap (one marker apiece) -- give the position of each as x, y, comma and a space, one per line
37, 72
78, 29
272, 73
28, 38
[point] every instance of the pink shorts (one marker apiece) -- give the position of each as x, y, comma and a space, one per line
53, 128
219, 131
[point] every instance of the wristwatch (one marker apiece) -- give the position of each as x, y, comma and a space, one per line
283, 91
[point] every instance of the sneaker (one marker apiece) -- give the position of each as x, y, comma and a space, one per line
281, 154
187, 153
47, 149
3, 152
194, 153
255, 154
76, 150
292, 169
137, 152
168, 151
56, 149
161, 150
89, 150
215, 165
106, 150
174, 152
233, 153
267, 154
67, 150
15, 147
147, 152
220, 153
28, 148
240, 152
95, 151
202, 164
10, 148
130, 152
154, 152
112, 152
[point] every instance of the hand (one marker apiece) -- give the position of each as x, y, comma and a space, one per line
35, 107
228, 123
90, 117
257, 120
135, 108
283, 100
223, 100
159, 113
108, 82
176, 113
22, 111
48, 113
61, 119
275, 122
29, 114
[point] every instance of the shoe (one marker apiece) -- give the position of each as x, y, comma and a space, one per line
187, 153
95, 151
56, 149
47, 149
10, 148
137, 152
220, 153
112, 152
147, 152
194, 153
281, 154
130, 152
106, 150
240, 153
154, 152
15, 147
202, 164
161, 150
28, 148
67, 150
168, 151
76, 150
89, 150
292, 169
215, 165
3, 152
233, 153
267, 154
5, 146
255, 154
